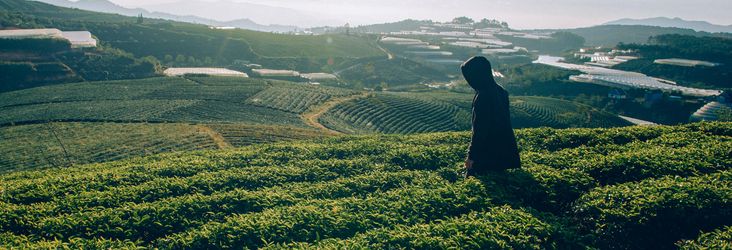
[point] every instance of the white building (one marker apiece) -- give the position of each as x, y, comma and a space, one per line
77, 39
685, 62
31, 33
319, 76
203, 71
80, 39
623, 79
275, 72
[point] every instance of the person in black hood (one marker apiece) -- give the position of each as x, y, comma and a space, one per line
493, 146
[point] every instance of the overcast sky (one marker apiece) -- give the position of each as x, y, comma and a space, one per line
518, 13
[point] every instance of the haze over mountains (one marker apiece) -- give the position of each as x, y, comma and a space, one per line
676, 23
110, 7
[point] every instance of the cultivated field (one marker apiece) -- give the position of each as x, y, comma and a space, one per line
623, 188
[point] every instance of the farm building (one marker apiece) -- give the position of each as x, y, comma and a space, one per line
31, 34
203, 71
275, 72
470, 44
501, 51
319, 76
430, 53
622, 79
685, 62
78, 39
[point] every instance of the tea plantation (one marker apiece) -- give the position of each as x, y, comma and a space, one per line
433, 112
65, 144
621, 188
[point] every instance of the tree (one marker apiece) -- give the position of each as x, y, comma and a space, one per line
463, 20
140, 19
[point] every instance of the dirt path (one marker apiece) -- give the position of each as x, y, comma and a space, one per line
312, 116
215, 136
388, 54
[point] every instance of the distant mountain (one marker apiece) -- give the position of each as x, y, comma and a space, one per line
109, 7
676, 23
226, 10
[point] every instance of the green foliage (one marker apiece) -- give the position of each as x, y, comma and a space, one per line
719, 239
430, 112
657, 212
64, 144
383, 191
295, 98
214, 100
36, 46
611, 35
371, 72
498, 228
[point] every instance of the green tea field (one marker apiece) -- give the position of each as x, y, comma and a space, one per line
78, 123
622, 188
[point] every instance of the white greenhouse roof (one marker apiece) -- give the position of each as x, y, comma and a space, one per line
275, 72
620, 78
79, 39
319, 76
203, 71
31, 33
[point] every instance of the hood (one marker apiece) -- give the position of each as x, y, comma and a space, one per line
479, 74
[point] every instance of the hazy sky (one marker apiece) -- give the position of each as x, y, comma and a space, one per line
518, 13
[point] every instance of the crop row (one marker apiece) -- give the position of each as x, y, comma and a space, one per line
62, 144
287, 99
393, 114
240, 135
180, 213
170, 88
499, 227
655, 212
337, 218
563, 114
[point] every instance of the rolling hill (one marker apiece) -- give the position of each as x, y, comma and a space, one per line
611, 35
675, 23
579, 188
109, 7
157, 37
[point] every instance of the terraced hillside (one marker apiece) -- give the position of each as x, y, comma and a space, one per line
398, 113
199, 100
623, 188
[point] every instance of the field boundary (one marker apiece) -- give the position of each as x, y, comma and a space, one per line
215, 136
312, 116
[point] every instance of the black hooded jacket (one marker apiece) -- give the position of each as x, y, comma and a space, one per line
493, 145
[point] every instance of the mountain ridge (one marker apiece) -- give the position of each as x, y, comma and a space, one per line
106, 6
674, 23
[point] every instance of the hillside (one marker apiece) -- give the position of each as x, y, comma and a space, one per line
88, 122
676, 23
611, 35
196, 44
713, 49
627, 188
109, 7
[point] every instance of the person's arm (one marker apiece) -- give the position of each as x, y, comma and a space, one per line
480, 126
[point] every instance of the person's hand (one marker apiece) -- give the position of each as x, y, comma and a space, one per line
469, 164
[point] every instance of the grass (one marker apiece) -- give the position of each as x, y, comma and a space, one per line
382, 191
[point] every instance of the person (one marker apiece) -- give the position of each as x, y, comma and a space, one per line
493, 145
